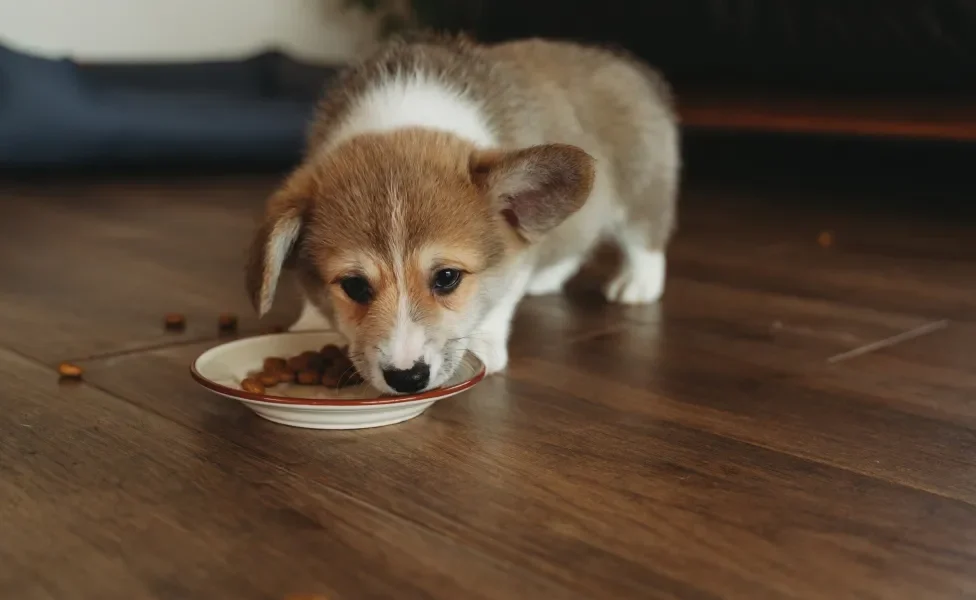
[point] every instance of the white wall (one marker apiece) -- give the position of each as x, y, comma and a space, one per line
178, 30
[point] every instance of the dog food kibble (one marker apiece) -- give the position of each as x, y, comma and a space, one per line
329, 367
316, 362
332, 352
274, 363
69, 370
174, 322
269, 379
252, 385
298, 363
307, 377
227, 323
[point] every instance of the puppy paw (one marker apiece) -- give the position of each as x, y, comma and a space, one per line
493, 352
639, 283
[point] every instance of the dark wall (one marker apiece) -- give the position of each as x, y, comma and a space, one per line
855, 44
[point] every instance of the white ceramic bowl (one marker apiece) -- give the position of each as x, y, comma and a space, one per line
221, 370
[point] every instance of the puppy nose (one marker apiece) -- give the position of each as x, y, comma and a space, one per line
407, 381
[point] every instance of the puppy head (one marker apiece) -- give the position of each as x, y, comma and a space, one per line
402, 239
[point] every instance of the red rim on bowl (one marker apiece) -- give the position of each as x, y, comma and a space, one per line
273, 399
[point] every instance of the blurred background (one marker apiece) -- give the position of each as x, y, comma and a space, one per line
765, 87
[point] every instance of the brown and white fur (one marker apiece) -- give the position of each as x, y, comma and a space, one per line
505, 163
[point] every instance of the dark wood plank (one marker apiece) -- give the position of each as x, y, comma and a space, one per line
628, 486
804, 413
814, 327
922, 266
92, 267
755, 366
950, 349
100, 500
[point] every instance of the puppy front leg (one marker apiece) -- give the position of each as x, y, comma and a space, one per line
311, 319
489, 342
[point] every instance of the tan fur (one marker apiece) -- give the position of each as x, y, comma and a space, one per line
354, 198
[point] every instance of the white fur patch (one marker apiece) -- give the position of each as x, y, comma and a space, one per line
406, 345
415, 101
641, 281
407, 339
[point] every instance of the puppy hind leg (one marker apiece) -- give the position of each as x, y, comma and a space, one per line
641, 279
642, 276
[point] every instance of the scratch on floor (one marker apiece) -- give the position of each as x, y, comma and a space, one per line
890, 341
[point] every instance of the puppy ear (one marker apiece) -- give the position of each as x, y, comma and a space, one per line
275, 241
535, 188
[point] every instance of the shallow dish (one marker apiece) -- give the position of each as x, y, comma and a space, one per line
222, 368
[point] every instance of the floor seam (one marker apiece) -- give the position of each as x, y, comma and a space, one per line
151, 348
160, 346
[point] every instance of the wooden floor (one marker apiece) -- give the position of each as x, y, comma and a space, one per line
791, 421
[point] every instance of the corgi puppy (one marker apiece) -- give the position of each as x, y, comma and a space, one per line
444, 180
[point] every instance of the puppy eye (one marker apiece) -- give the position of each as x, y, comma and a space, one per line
446, 281
357, 288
